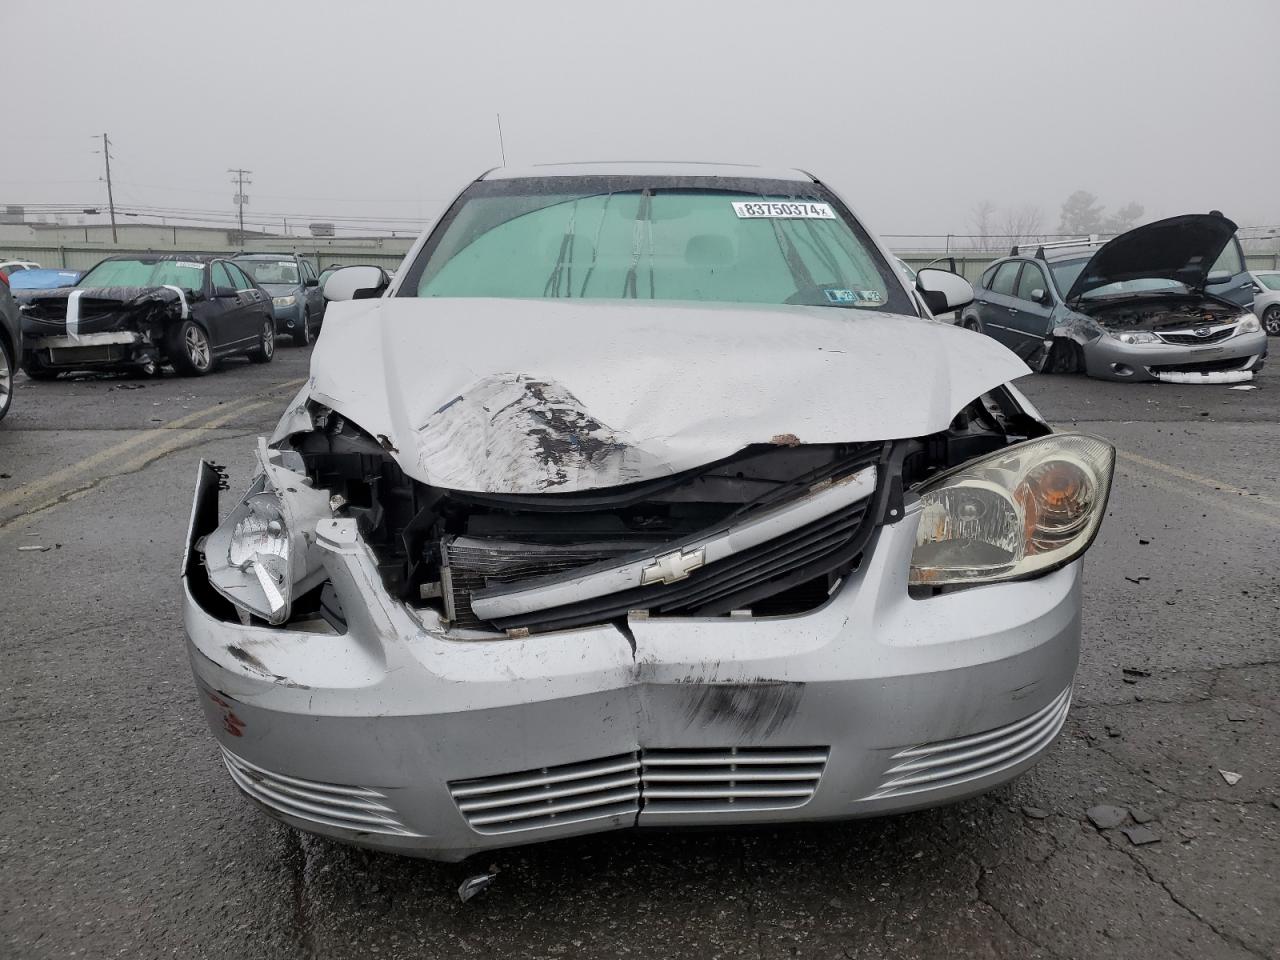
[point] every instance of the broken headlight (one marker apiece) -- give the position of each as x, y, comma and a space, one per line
249, 556
1025, 510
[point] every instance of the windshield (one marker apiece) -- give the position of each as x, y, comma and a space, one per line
1065, 273
271, 271
1270, 280
186, 274
691, 239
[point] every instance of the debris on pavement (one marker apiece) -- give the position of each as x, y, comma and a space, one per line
1104, 816
1035, 813
477, 884
1243, 386
1141, 816
33, 548
1137, 580
1140, 835
1231, 777
1135, 672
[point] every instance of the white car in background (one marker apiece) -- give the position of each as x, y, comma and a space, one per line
1266, 300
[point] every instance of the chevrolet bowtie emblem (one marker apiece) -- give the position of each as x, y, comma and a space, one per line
674, 566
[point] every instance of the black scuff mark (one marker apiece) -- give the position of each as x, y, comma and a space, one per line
385, 442
751, 708
564, 433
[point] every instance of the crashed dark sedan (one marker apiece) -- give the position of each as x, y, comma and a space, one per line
137, 312
644, 494
1168, 301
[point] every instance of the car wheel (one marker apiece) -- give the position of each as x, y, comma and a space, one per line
266, 348
189, 349
34, 369
6, 377
302, 337
1065, 356
1271, 320
971, 323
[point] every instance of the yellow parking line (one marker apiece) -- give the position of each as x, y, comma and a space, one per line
226, 412
1218, 503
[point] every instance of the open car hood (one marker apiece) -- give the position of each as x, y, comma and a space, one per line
1179, 248
533, 396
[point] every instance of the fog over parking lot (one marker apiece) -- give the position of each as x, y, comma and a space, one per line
915, 111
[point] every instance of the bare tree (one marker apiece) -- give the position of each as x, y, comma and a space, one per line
1022, 224
982, 224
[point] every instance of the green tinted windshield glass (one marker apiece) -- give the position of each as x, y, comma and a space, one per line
1065, 273
185, 274
659, 244
271, 271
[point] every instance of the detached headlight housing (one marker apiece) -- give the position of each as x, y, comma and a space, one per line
288, 301
1136, 336
250, 558
1018, 513
1248, 324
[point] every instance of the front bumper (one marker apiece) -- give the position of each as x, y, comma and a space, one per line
1232, 360
394, 736
288, 319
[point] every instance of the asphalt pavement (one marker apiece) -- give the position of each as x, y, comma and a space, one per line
122, 836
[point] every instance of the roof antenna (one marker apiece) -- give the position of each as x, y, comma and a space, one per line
501, 147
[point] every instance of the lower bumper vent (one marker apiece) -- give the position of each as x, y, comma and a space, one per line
733, 780
950, 763
360, 809
653, 782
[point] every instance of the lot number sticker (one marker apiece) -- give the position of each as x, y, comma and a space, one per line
783, 210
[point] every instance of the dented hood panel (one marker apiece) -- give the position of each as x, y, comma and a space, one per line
531, 396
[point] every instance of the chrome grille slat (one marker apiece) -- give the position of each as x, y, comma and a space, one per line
551, 796
729, 780
360, 809
949, 763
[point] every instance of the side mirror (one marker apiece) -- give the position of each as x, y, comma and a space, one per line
942, 290
1219, 276
355, 283
311, 282
1040, 296
225, 292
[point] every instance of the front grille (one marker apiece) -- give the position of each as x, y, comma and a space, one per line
732, 583
360, 809
572, 793
951, 763
1190, 339
71, 356
732, 780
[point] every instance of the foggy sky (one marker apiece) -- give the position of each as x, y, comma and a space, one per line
914, 111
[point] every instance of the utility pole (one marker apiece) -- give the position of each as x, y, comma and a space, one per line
111, 203
241, 181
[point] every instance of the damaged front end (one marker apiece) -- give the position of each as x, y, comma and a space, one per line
770, 531
72, 329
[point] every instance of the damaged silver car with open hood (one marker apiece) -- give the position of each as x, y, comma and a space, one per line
644, 494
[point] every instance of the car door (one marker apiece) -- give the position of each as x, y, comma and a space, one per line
226, 317
1030, 317
315, 300
997, 302
255, 303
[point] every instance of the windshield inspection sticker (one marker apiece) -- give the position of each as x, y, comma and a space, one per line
841, 296
783, 210
856, 298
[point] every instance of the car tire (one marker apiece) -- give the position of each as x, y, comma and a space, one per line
34, 369
972, 323
7, 369
189, 349
266, 348
1065, 356
1271, 320
302, 336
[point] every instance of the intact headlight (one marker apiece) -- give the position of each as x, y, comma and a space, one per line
1136, 336
1023, 511
1248, 324
288, 301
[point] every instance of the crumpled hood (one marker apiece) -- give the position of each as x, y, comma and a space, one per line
531, 396
1178, 248
122, 295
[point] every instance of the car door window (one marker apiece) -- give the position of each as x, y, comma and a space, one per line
1032, 279
222, 278
238, 278
1004, 280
